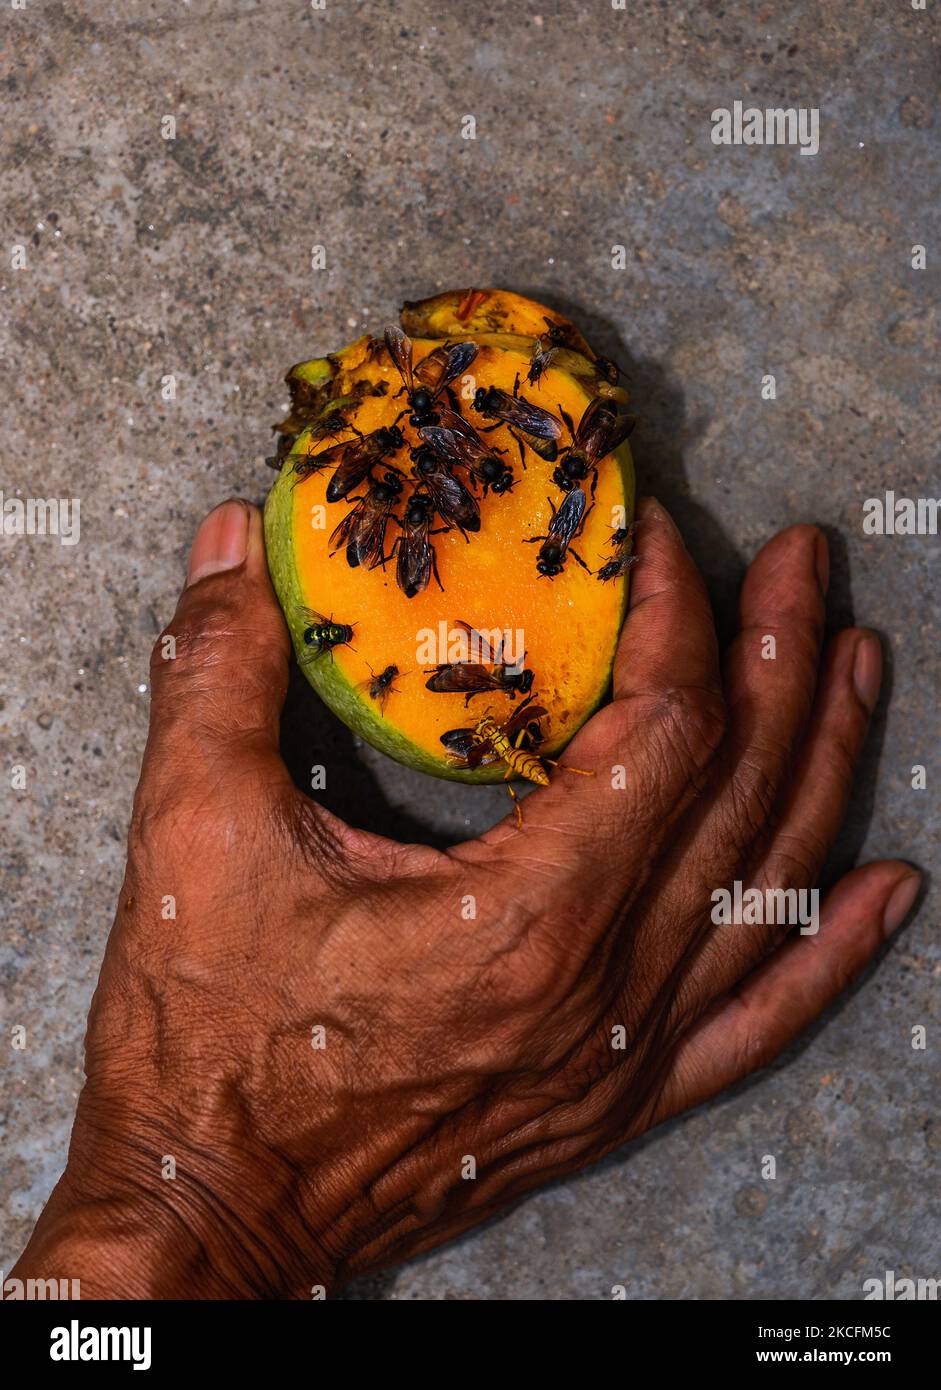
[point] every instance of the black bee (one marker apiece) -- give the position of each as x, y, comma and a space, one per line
453, 503
363, 530
528, 423
381, 687
322, 634
545, 348
352, 460
601, 429
622, 540
457, 442
433, 373
414, 555
565, 525
471, 678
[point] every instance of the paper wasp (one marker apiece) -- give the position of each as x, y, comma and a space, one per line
511, 743
488, 672
565, 525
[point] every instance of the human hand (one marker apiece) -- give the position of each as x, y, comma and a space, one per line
590, 997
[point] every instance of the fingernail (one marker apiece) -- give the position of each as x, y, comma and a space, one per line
867, 670
900, 904
822, 562
221, 542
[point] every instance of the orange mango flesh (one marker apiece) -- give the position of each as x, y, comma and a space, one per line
568, 625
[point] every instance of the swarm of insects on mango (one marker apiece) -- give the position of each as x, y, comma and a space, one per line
450, 533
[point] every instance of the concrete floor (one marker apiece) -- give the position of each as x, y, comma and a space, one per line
341, 128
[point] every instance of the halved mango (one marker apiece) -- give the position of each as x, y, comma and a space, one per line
568, 625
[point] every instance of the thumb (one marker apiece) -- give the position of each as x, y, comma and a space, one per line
219, 671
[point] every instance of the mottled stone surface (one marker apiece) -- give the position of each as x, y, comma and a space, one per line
191, 256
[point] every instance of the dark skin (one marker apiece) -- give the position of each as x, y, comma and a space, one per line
297, 1165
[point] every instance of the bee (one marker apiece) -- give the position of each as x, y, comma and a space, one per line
322, 634
565, 525
453, 503
601, 429
622, 540
528, 423
471, 678
433, 373
381, 687
511, 743
545, 348
352, 460
412, 550
363, 530
455, 441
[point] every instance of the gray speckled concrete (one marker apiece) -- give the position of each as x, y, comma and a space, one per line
341, 128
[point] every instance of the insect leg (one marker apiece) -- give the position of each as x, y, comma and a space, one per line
516, 800
434, 565
576, 555
566, 767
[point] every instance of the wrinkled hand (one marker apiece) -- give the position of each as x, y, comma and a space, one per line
463, 1061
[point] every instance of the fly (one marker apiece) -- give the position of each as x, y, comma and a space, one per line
322, 634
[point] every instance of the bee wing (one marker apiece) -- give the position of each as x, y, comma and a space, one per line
350, 471
479, 642
530, 419
446, 444
456, 363
369, 534
413, 562
602, 429
568, 518
453, 501
341, 533
459, 678
400, 350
